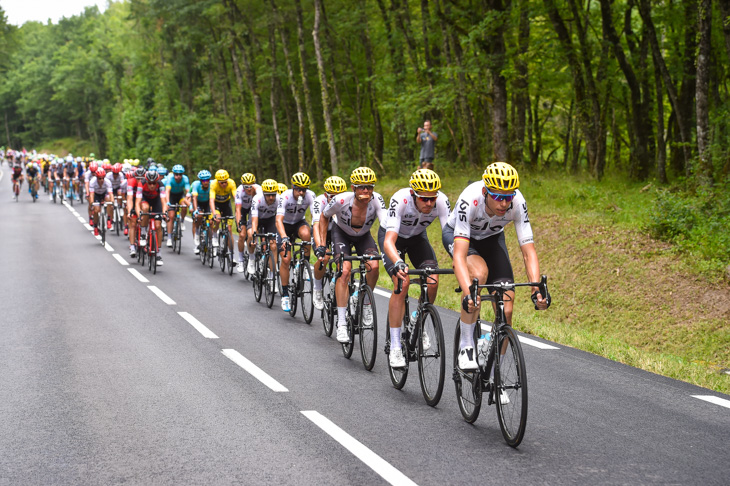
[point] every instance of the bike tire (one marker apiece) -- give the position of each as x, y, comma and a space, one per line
306, 291
71, 199
468, 384
178, 236
258, 277
293, 290
154, 248
510, 380
269, 282
202, 246
431, 361
328, 311
349, 346
222, 250
211, 258
117, 223
398, 376
368, 333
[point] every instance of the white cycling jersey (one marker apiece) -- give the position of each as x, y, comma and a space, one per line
243, 199
120, 182
261, 210
320, 202
470, 220
294, 208
341, 206
103, 188
406, 220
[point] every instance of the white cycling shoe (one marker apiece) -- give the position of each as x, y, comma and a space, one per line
285, 304
239, 267
318, 300
342, 335
396, 358
467, 359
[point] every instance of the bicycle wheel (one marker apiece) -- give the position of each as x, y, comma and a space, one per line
222, 249
269, 282
258, 277
54, 194
468, 385
71, 199
510, 379
102, 225
229, 261
293, 289
306, 291
175, 237
328, 311
117, 220
398, 376
431, 355
209, 244
154, 248
368, 331
178, 235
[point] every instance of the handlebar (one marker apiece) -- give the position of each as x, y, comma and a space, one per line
502, 287
423, 271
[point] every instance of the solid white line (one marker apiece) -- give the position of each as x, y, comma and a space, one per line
75, 213
524, 340
137, 275
371, 459
108, 248
82, 220
253, 370
1, 175
712, 399
198, 325
381, 292
121, 259
162, 295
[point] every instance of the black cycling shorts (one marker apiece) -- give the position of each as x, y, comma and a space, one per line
492, 249
224, 208
342, 242
266, 225
417, 247
176, 197
99, 198
155, 204
292, 230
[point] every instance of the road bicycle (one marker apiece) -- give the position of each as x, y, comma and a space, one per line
177, 233
225, 254
102, 221
301, 281
261, 254
16, 189
329, 311
361, 297
422, 339
502, 372
118, 217
206, 243
33, 190
153, 245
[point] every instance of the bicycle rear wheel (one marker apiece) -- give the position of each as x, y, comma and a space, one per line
203, 246
510, 379
269, 282
258, 277
398, 376
306, 291
368, 332
178, 235
175, 236
468, 385
293, 289
209, 244
431, 355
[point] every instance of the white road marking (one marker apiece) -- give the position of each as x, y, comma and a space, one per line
382, 292
198, 325
108, 248
88, 227
188, 219
254, 370
712, 399
371, 459
1, 175
121, 260
98, 237
524, 340
162, 295
138, 275
82, 220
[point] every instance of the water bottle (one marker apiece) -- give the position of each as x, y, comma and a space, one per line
353, 303
412, 321
482, 345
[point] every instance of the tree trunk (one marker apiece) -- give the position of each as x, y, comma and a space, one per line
307, 96
258, 109
274, 99
704, 172
365, 39
566, 150
521, 83
425, 24
661, 149
323, 85
500, 136
725, 22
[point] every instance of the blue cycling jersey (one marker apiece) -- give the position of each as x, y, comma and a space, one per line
182, 186
198, 190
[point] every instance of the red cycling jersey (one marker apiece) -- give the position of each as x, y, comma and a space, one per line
147, 191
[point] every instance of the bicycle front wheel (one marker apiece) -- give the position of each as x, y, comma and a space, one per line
269, 282
175, 236
367, 327
209, 244
258, 277
293, 290
468, 385
222, 250
398, 376
431, 355
328, 311
510, 379
306, 291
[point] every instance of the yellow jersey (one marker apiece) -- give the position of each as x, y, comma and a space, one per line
223, 194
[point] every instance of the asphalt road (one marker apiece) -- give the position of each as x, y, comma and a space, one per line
103, 382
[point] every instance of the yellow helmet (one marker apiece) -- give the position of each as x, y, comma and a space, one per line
222, 175
300, 179
363, 175
269, 185
335, 185
501, 177
136, 162
281, 188
248, 179
425, 180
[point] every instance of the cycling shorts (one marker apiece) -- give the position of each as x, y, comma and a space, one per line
292, 231
223, 208
99, 198
266, 225
417, 247
492, 249
177, 198
342, 242
155, 204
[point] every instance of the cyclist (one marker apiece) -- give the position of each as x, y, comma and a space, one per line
200, 191
69, 174
281, 188
134, 179
45, 168
244, 197
119, 190
223, 189
474, 236
150, 198
263, 217
17, 177
332, 186
93, 166
101, 187
356, 212
411, 211
290, 224
32, 173
178, 187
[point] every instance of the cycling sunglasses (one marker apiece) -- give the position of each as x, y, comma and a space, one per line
426, 198
501, 197
367, 187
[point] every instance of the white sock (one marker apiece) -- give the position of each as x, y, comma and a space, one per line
395, 338
341, 315
467, 335
240, 256
317, 284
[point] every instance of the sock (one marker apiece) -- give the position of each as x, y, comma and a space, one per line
285, 291
341, 315
467, 335
240, 256
317, 284
395, 337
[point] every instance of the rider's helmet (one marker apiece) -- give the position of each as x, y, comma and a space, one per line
204, 175
269, 186
134, 162
501, 177
335, 185
248, 179
222, 175
152, 176
281, 188
139, 172
425, 180
363, 175
93, 166
117, 168
150, 161
162, 171
300, 179
100, 173
107, 166
178, 169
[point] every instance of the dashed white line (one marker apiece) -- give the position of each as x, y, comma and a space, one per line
712, 399
198, 325
81, 220
382, 292
188, 219
90, 228
524, 340
162, 295
108, 248
371, 459
121, 260
138, 275
254, 370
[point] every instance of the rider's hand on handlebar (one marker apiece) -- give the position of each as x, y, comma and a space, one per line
320, 252
284, 244
468, 304
400, 269
540, 302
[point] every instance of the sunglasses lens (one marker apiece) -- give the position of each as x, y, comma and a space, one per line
427, 199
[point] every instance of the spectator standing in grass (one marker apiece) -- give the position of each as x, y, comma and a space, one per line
427, 139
